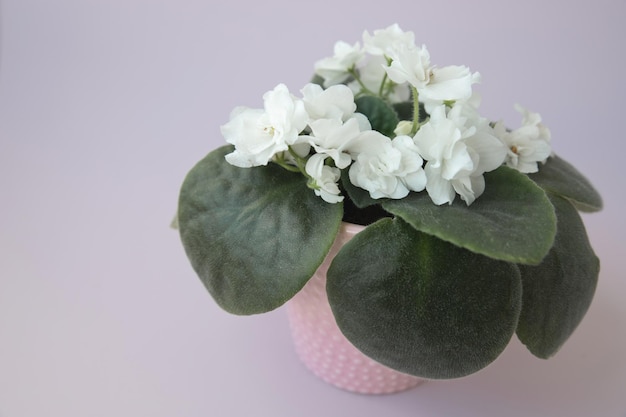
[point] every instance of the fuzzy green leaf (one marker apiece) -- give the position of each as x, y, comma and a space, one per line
558, 292
560, 177
421, 305
382, 117
405, 111
513, 220
254, 235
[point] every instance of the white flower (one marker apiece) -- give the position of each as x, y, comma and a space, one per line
336, 102
527, 144
384, 42
334, 70
459, 147
363, 121
323, 179
451, 83
259, 134
410, 173
469, 105
332, 138
410, 65
371, 74
385, 167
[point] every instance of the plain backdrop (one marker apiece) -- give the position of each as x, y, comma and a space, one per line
104, 107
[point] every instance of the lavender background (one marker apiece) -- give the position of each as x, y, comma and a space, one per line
104, 107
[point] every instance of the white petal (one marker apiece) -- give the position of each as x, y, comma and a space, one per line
336, 102
469, 188
439, 189
416, 181
385, 40
491, 150
449, 83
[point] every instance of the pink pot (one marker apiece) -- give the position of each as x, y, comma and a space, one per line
324, 349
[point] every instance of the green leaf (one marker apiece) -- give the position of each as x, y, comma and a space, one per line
254, 235
560, 177
382, 117
512, 220
405, 110
421, 305
316, 79
558, 292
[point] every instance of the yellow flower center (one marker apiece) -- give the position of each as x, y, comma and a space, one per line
269, 130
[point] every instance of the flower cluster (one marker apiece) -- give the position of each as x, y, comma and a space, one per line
444, 147
397, 146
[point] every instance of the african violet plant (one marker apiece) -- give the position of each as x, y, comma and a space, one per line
473, 232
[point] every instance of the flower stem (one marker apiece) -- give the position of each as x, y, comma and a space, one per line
416, 111
288, 167
353, 72
381, 90
300, 162
280, 160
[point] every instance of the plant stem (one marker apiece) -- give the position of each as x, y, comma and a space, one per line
300, 162
353, 72
382, 86
381, 91
280, 160
416, 111
288, 167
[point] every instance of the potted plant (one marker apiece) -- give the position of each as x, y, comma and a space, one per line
468, 234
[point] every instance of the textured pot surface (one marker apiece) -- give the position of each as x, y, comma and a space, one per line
324, 349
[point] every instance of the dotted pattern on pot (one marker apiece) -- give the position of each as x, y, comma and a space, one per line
324, 349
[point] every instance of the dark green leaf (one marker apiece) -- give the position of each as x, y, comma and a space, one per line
316, 79
405, 111
558, 292
421, 305
382, 117
513, 220
560, 177
255, 235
